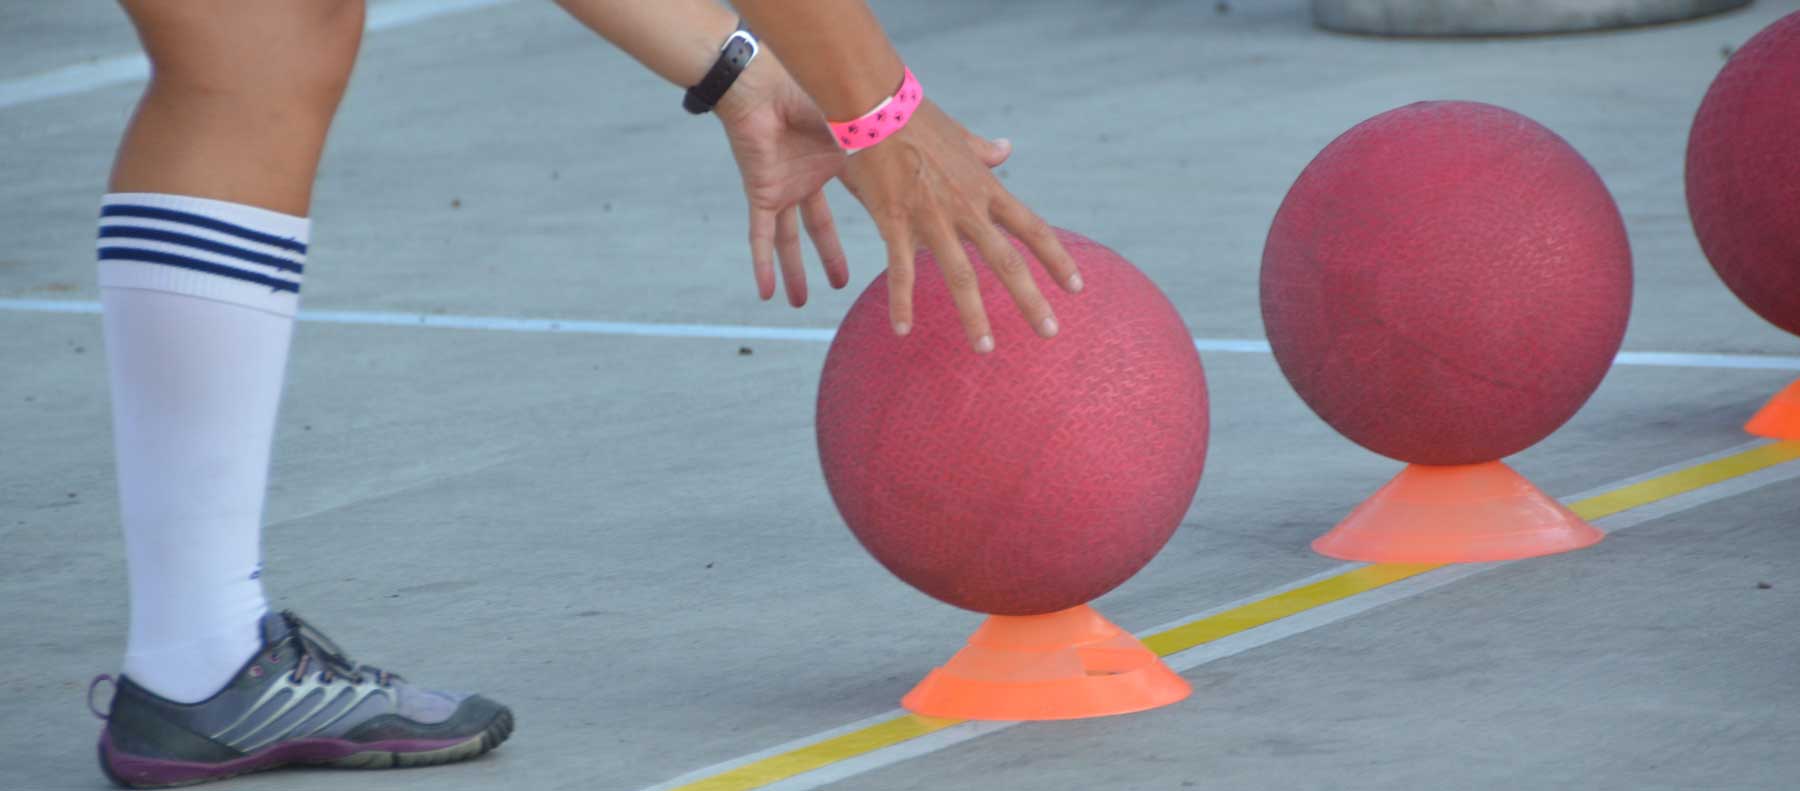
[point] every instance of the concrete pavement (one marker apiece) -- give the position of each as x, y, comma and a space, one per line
629, 541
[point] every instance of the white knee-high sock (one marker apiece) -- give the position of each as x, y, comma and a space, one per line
199, 298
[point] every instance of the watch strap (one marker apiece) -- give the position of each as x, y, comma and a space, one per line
734, 57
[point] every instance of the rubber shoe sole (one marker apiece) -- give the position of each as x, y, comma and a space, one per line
130, 771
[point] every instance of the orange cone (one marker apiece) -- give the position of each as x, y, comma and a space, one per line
1459, 514
1061, 666
1780, 418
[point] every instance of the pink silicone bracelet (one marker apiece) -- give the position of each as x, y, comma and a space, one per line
887, 118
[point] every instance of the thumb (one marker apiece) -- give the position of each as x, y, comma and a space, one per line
993, 153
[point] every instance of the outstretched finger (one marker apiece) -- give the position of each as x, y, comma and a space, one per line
1040, 238
1014, 272
964, 285
815, 214
900, 252
762, 251
787, 247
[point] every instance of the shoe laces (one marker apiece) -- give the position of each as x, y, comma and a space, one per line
314, 646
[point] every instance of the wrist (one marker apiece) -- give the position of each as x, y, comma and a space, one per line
857, 90
736, 56
836, 50
887, 117
700, 48
750, 89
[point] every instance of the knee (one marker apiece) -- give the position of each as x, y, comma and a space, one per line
295, 52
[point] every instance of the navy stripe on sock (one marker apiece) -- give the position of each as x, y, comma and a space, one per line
198, 243
154, 257
201, 221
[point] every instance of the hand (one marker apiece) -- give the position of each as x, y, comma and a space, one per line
786, 155
929, 183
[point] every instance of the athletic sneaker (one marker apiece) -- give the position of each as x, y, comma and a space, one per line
298, 701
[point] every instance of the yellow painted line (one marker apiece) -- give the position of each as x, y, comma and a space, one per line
805, 759
1282, 605
1686, 480
1373, 576
906, 727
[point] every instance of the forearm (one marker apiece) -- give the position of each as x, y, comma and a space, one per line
835, 49
677, 39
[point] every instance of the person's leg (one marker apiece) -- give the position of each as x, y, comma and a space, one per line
240, 98
202, 243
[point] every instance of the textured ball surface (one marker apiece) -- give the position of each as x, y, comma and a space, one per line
1031, 479
1743, 173
1446, 283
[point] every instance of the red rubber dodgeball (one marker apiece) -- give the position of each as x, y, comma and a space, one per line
1025, 481
1743, 173
1446, 283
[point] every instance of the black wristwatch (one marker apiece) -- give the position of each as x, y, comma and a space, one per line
734, 57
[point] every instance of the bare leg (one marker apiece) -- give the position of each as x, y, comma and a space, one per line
241, 97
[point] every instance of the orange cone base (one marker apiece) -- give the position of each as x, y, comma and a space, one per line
1061, 666
1780, 418
1460, 514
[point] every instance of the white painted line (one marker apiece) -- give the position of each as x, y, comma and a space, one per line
1232, 645
400, 13
887, 756
1323, 615
1665, 470
1231, 346
1732, 487
49, 306
701, 774
1252, 599
938, 740
1685, 360
123, 69
1341, 609
745, 332
70, 80
580, 327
